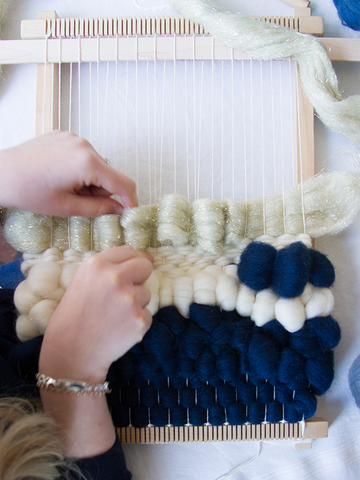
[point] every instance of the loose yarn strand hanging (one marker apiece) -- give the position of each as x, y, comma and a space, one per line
249, 462
263, 41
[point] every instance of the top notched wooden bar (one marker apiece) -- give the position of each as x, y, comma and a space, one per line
133, 38
151, 38
302, 22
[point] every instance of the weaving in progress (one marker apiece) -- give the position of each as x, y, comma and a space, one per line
215, 124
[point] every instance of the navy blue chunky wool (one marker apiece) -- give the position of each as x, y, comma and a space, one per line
349, 12
256, 267
218, 367
287, 271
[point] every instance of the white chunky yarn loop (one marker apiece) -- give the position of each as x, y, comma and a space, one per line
181, 276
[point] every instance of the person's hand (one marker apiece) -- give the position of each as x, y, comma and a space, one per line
100, 317
61, 174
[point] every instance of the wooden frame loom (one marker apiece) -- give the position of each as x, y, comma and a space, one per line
128, 39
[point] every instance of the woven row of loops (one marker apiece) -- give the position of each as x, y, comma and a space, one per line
287, 271
32, 233
214, 346
208, 279
50, 273
265, 305
181, 276
210, 223
219, 286
225, 395
190, 274
302, 405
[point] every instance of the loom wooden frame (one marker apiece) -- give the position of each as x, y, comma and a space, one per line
127, 39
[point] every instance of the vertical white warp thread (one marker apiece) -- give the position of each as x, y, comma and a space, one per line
263, 41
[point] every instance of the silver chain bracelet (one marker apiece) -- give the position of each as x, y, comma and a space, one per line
74, 387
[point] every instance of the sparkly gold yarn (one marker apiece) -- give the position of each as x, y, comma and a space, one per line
322, 205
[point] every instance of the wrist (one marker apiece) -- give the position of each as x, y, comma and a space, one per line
58, 367
66, 353
70, 386
84, 422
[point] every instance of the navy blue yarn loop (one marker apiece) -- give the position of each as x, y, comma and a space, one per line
178, 416
287, 271
206, 365
192, 342
168, 397
247, 393
140, 416
206, 396
327, 331
256, 267
236, 414
276, 331
197, 415
159, 416
149, 396
187, 397
256, 413
320, 372
322, 272
129, 396
217, 415
274, 413
226, 395
225, 370
283, 394
228, 366
172, 318
305, 403
221, 337
292, 270
264, 356
265, 393
292, 414
349, 13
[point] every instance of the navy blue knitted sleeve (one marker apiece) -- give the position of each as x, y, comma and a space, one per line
108, 466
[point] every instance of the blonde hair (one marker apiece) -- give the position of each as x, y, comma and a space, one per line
29, 444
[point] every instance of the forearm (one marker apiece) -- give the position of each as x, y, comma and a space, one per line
84, 422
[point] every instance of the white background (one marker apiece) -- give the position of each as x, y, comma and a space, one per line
330, 459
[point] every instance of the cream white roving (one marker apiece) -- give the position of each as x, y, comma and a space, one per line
181, 275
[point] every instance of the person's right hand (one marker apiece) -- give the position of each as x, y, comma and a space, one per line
100, 317
61, 174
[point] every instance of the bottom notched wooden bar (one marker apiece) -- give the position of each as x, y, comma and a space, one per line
302, 435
